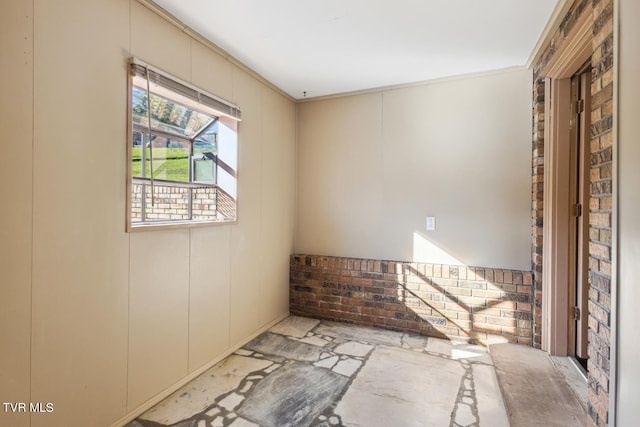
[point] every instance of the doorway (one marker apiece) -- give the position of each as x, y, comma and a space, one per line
580, 137
565, 194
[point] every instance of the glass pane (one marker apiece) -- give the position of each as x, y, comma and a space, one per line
167, 115
136, 153
208, 141
170, 158
204, 170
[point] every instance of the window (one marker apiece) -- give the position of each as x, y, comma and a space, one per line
182, 151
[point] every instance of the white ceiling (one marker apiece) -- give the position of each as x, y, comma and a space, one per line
325, 47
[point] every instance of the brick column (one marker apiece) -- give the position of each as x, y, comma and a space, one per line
537, 205
600, 213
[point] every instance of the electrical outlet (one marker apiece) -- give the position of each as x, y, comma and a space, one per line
431, 223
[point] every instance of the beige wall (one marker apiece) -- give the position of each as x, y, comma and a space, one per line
93, 319
373, 166
628, 318
16, 123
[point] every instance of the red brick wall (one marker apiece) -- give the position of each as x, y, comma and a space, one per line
430, 299
537, 206
600, 213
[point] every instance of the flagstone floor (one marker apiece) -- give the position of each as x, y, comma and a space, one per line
306, 372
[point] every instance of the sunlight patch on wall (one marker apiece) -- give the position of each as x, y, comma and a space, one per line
426, 251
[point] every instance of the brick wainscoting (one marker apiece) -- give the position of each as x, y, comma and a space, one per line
429, 299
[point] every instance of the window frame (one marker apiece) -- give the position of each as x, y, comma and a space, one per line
200, 101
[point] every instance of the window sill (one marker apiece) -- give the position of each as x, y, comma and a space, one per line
171, 225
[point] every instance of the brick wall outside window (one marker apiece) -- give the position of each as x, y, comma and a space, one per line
172, 203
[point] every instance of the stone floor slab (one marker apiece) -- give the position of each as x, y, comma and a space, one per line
491, 409
465, 417
414, 342
200, 393
295, 326
353, 349
241, 422
359, 333
347, 367
231, 401
327, 363
471, 352
394, 388
274, 344
317, 341
534, 389
458, 350
439, 346
292, 396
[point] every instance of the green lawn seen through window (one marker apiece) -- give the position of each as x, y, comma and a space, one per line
168, 163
